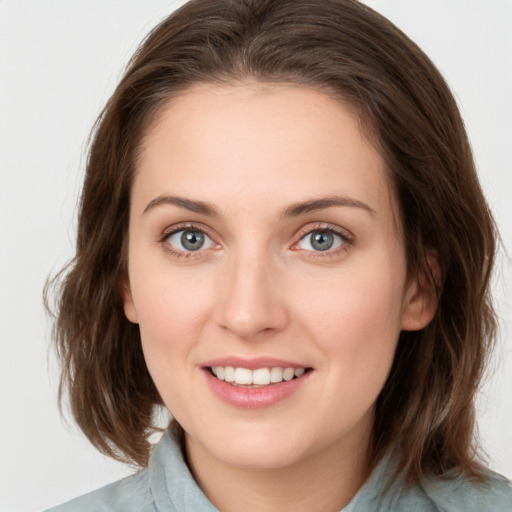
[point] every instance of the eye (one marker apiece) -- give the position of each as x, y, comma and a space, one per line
321, 240
189, 240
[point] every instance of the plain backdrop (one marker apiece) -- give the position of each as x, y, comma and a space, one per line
59, 62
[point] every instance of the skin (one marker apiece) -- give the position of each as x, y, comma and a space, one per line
259, 288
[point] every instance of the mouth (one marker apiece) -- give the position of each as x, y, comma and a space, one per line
257, 382
258, 377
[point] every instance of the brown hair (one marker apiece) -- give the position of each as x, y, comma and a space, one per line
426, 409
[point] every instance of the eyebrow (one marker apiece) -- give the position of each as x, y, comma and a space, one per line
293, 210
322, 203
188, 204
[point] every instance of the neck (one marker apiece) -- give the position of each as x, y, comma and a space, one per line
331, 478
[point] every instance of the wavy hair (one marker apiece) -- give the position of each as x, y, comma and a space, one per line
341, 47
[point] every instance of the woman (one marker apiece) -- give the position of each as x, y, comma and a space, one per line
282, 240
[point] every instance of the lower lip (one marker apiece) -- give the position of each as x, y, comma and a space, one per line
254, 398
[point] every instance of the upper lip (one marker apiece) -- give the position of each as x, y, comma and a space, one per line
253, 363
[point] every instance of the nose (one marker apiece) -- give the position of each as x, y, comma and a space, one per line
253, 303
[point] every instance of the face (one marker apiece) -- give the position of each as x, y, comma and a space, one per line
266, 272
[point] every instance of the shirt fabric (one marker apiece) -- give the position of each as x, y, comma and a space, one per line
167, 485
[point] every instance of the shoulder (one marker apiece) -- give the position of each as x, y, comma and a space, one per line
131, 494
166, 484
461, 494
384, 493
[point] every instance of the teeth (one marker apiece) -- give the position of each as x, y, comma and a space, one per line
258, 377
261, 376
229, 374
288, 373
276, 375
243, 376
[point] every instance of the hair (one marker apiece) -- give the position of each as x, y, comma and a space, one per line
426, 408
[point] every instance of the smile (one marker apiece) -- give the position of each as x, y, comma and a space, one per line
255, 383
258, 377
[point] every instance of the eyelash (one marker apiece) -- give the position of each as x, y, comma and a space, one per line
176, 229
347, 239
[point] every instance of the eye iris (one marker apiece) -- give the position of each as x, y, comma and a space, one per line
192, 240
322, 240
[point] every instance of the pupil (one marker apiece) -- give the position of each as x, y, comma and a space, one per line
322, 240
192, 240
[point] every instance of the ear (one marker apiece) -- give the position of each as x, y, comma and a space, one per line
129, 307
421, 299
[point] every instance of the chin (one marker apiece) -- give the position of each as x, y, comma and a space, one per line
260, 458
255, 448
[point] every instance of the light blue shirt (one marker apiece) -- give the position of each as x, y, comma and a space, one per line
167, 485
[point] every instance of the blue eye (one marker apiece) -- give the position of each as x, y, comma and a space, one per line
189, 240
321, 240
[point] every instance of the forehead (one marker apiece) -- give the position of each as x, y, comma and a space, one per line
252, 142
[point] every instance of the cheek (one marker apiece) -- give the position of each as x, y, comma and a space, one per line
356, 302
355, 321
355, 327
172, 311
